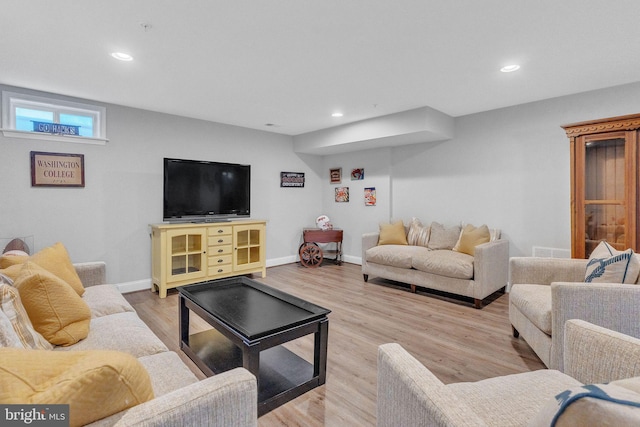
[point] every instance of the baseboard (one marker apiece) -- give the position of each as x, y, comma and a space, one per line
138, 285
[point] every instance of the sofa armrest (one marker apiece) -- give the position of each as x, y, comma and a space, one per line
490, 267
593, 354
410, 395
92, 273
544, 271
610, 305
369, 240
226, 400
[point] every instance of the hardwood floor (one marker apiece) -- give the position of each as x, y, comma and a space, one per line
453, 339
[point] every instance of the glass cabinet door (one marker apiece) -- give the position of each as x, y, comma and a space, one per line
604, 193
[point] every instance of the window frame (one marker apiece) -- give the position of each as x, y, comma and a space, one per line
13, 100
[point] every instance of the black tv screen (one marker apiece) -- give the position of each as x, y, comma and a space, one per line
205, 190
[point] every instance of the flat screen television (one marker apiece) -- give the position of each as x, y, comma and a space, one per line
205, 191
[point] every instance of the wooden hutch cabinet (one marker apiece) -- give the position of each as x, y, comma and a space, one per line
604, 183
185, 253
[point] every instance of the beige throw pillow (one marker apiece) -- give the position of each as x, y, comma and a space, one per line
443, 237
472, 237
418, 234
608, 265
392, 234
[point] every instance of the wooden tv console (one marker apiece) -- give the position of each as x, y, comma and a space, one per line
187, 253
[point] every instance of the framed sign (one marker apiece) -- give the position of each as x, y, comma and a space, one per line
291, 179
57, 169
335, 175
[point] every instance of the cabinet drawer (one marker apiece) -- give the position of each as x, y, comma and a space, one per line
219, 250
219, 240
219, 260
220, 231
216, 270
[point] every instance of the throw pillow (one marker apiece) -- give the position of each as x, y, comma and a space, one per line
53, 258
55, 309
392, 234
418, 234
12, 258
591, 406
607, 265
443, 237
472, 237
13, 312
95, 384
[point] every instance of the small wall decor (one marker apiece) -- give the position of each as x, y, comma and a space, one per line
335, 175
342, 194
357, 174
370, 196
57, 169
292, 179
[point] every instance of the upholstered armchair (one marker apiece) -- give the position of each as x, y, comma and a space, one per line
411, 395
546, 292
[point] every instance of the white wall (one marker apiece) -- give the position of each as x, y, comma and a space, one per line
108, 219
508, 168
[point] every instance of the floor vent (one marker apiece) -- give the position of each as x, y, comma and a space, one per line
539, 251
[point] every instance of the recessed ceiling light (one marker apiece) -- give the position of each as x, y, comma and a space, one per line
510, 68
337, 115
120, 56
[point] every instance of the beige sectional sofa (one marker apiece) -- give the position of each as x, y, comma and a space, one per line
409, 394
228, 399
438, 266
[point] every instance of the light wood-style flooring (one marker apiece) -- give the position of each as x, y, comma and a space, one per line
453, 339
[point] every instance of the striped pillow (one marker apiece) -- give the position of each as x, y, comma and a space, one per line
14, 314
607, 265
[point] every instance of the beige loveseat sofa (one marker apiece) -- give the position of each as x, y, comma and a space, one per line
228, 399
546, 292
475, 276
411, 395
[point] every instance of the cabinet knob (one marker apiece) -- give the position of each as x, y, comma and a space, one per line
220, 270
220, 260
220, 231
220, 251
220, 240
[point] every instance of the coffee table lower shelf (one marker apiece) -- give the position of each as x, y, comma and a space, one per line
283, 374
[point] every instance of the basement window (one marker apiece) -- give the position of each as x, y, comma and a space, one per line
39, 117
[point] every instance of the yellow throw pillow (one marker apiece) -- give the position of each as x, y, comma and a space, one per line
472, 237
9, 260
392, 234
54, 259
95, 383
55, 309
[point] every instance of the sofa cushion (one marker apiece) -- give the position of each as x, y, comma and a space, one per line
512, 400
392, 234
534, 302
94, 384
104, 300
16, 329
418, 234
445, 263
122, 332
591, 405
470, 237
443, 237
608, 265
55, 309
395, 255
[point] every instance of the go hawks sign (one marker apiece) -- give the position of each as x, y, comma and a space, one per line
57, 169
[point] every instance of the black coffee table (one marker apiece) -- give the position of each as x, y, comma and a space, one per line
251, 321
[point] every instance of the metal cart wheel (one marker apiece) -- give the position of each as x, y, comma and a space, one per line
310, 255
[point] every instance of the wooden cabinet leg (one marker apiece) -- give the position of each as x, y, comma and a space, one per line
413, 289
515, 332
477, 303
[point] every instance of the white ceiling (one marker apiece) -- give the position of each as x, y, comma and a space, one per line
292, 63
